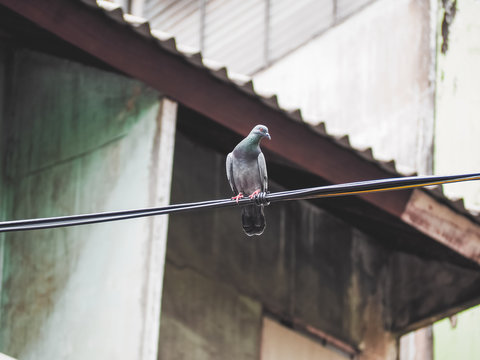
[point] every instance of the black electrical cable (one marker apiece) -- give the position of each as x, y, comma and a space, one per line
354, 188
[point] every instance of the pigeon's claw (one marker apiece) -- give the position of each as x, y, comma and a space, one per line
238, 197
256, 192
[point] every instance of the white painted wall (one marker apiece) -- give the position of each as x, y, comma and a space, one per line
370, 77
457, 129
5, 357
457, 146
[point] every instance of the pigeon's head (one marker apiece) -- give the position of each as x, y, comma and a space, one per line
260, 131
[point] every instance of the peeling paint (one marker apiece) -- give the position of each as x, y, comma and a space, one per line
449, 12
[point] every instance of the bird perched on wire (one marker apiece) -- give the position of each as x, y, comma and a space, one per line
247, 175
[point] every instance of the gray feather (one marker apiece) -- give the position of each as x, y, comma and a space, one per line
262, 168
230, 173
247, 173
253, 220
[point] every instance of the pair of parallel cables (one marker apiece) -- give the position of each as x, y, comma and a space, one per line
354, 188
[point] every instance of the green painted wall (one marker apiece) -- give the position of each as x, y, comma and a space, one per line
457, 125
80, 140
63, 110
461, 341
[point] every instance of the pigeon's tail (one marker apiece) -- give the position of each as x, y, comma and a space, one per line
253, 220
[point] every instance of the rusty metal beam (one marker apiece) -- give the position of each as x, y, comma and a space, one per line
440, 222
136, 55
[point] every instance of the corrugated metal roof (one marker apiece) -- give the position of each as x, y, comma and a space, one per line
179, 17
347, 7
245, 84
294, 22
234, 33
250, 34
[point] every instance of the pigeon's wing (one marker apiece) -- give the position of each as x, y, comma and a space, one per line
262, 168
230, 173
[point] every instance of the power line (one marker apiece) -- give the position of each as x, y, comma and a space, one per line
361, 187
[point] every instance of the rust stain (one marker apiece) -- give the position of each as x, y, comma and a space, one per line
323, 337
32, 292
332, 340
377, 343
427, 221
130, 104
442, 224
137, 91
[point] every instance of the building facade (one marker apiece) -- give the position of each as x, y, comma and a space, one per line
119, 117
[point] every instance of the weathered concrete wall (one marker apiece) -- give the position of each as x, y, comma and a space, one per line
83, 140
206, 319
293, 270
439, 287
370, 77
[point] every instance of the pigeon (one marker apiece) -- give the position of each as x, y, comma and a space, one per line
247, 175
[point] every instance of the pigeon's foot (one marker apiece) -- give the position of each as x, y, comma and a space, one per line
238, 197
256, 192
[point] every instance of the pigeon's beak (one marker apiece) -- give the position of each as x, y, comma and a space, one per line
268, 136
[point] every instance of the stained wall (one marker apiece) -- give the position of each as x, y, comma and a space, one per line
80, 140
